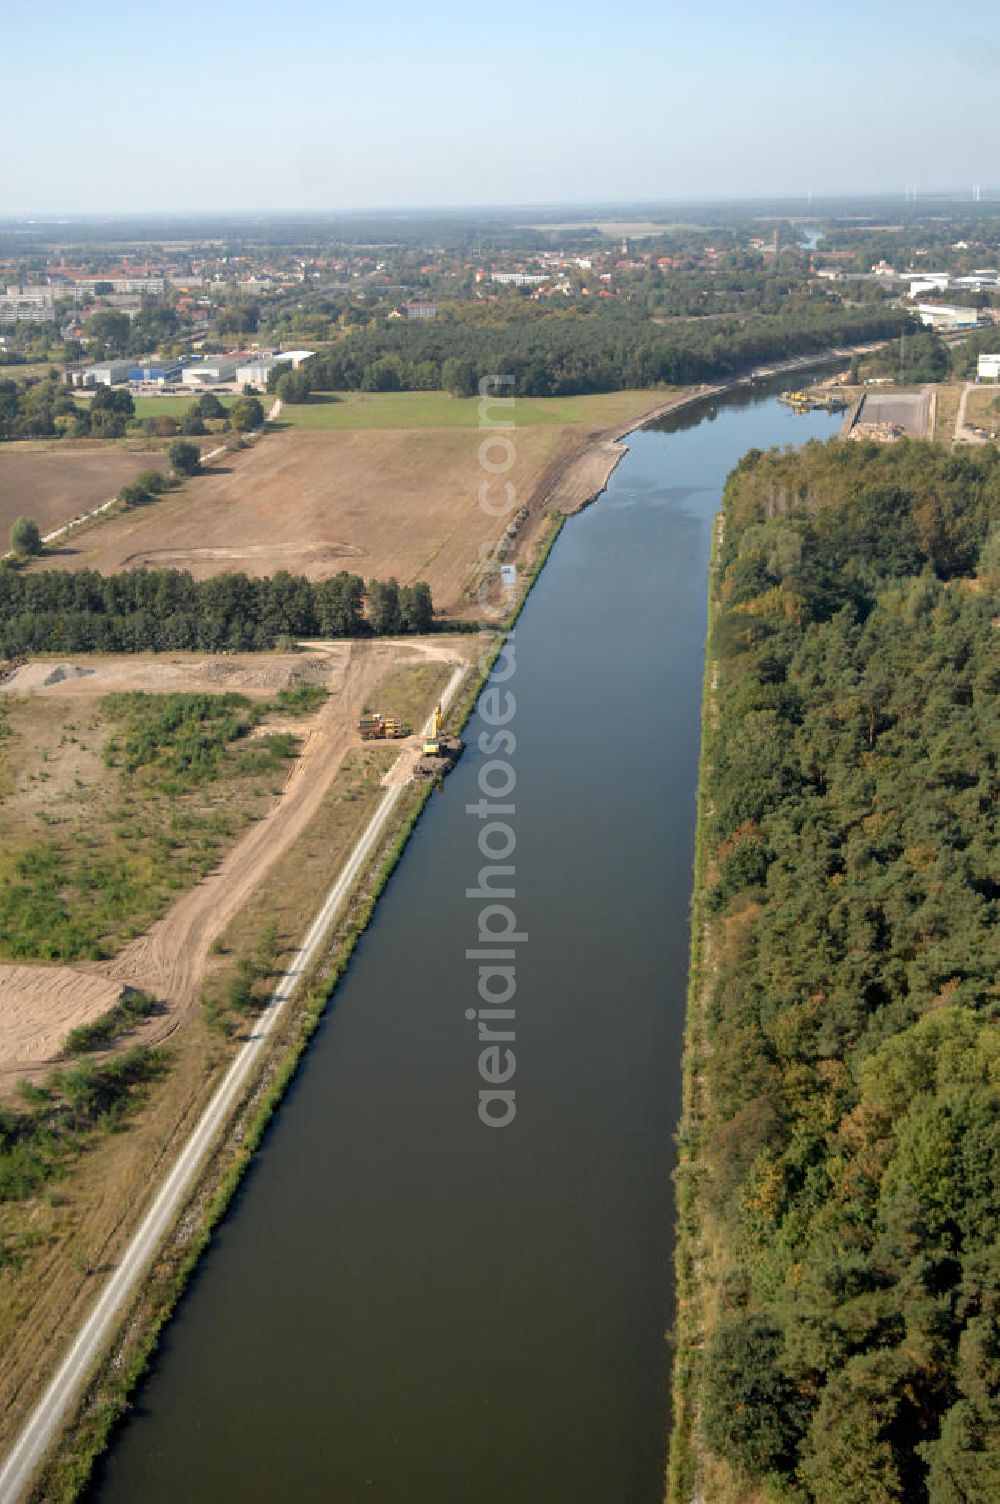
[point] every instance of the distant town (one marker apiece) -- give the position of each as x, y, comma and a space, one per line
203, 314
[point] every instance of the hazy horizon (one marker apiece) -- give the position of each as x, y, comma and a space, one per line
798, 206
332, 110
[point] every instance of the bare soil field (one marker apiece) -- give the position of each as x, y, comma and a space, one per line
403, 503
378, 503
56, 485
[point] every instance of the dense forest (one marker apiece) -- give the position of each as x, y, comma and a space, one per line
839, 1257
52, 611
605, 348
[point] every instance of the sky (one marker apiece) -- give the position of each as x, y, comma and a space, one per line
323, 105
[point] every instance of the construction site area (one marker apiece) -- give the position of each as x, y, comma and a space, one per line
57, 779
887, 416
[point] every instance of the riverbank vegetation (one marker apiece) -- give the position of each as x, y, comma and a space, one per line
839, 1278
56, 611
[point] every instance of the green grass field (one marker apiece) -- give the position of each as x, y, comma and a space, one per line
36, 368
353, 410
173, 407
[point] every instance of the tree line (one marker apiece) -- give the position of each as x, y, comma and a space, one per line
574, 350
52, 611
845, 1151
45, 408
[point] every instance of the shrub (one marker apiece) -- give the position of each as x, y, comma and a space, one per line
25, 537
246, 414
184, 457
153, 481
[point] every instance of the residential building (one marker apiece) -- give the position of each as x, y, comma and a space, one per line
519, 279
988, 368
27, 304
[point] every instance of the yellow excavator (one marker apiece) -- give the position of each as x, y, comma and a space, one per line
432, 746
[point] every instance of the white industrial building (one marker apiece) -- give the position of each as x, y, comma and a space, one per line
245, 367
214, 370
946, 316
930, 283
988, 368
256, 371
106, 373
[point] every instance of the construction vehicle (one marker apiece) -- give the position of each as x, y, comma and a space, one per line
432, 746
805, 402
378, 728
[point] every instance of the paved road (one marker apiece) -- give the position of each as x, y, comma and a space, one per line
44, 1425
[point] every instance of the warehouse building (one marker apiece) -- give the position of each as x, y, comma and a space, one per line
215, 370
107, 373
155, 373
946, 316
256, 371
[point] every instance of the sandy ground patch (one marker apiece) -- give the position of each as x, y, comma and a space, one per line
55, 485
259, 674
40, 1004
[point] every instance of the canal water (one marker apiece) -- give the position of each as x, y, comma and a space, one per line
406, 1306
